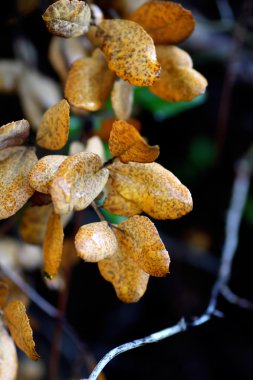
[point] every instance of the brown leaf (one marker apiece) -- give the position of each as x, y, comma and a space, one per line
4, 291
8, 355
122, 99
95, 242
78, 182
67, 19
53, 131
14, 133
172, 56
69, 255
153, 188
43, 172
166, 22
126, 143
52, 246
18, 323
129, 51
15, 165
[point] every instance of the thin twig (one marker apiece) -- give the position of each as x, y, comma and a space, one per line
97, 211
235, 299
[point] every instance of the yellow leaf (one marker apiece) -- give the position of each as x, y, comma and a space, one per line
129, 51
78, 182
166, 22
4, 291
95, 242
52, 246
66, 18
8, 356
15, 165
18, 323
172, 56
14, 133
42, 173
53, 131
122, 99
153, 188
126, 143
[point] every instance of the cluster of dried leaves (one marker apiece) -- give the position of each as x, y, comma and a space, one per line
121, 54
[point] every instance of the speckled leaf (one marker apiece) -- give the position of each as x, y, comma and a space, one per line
67, 18
78, 182
95, 242
118, 205
126, 143
171, 56
42, 173
8, 356
4, 291
166, 22
153, 188
129, 50
122, 99
13, 134
52, 246
106, 127
18, 323
15, 165
53, 131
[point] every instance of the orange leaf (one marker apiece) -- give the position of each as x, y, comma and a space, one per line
172, 56
126, 143
67, 18
18, 323
14, 133
4, 291
106, 127
129, 50
8, 355
122, 99
166, 22
53, 131
15, 165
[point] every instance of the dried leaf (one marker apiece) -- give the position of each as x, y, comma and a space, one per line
53, 131
42, 174
95, 242
15, 165
78, 182
4, 292
14, 133
122, 99
52, 246
8, 356
15, 293
153, 188
166, 22
67, 19
106, 127
129, 50
126, 143
83, 89
69, 255
172, 56
10, 71
18, 323
118, 205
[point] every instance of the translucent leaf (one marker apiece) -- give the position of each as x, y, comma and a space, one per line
15, 165
8, 355
126, 143
66, 18
10, 71
14, 133
172, 56
42, 173
95, 242
122, 99
78, 182
153, 188
18, 323
4, 291
129, 50
166, 22
52, 246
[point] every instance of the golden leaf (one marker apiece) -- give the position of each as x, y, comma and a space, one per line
4, 291
78, 182
153, 188
53, 131
18, 323
129, 51
8, 356
126, 143
14, 133
15, 165
172, 56
42, 173
166, 22
95, 242
52, 246
122, 99
66, 18
106, 127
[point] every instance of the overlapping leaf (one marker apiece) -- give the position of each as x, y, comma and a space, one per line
106, 127
8, 356
171, 56
118, 205
122, 99
4, 291
13, 134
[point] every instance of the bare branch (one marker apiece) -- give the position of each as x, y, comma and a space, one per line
235, 299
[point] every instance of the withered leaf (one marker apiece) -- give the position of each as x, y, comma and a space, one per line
14, 133
15, 165
18, 323
129, 51
8, 356
53, 131
153, 188
122, 99
166, 22
126, 143
4, 291
106, 127
77, 182
67, 18
95, 242
171, 56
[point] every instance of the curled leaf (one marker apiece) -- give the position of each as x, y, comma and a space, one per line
8, 356
118, 205
122, 99
13, 134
